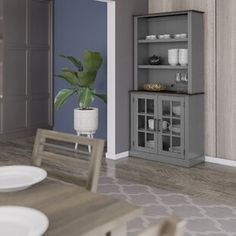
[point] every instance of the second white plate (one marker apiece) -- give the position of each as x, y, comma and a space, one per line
15, 178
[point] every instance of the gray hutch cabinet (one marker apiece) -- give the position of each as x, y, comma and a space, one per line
25, 66
168, 126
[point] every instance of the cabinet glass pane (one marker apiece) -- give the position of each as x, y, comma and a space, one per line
150, 106
176, 109
150, 123
165, 108
176, 127
176, 145
166, 125
150, 141
141, 122
141, 105
166, 143
141, 139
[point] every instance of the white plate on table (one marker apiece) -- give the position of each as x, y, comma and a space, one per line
22, 221
15, 178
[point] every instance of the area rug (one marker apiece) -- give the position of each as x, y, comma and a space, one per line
202, 216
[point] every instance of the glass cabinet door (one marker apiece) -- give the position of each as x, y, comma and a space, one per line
145, 128
171, 126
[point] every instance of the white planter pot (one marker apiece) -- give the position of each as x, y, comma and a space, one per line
86, 120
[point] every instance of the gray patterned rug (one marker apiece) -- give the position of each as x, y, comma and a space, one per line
202, 217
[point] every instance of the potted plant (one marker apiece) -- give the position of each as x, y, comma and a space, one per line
81, 82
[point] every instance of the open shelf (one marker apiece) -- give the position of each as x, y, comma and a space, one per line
162, 40
164, 67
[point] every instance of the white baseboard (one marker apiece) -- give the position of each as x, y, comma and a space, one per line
117, 156
209, 159
220, 161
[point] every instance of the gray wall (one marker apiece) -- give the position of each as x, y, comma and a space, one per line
124, 66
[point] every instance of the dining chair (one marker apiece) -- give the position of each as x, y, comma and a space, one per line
170, 226
56, 151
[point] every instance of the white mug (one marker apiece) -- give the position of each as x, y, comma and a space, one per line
151, 124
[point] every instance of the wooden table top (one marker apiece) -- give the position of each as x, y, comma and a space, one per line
73, 210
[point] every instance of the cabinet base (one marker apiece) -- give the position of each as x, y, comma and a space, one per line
168, 160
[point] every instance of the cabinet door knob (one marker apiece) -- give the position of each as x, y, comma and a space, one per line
1, 96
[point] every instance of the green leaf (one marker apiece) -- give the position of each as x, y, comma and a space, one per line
62, 96
87, 78
70, 76
92, 60
103, 97
86, 97
76, 62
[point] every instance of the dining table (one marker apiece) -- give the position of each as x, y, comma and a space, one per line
74, 211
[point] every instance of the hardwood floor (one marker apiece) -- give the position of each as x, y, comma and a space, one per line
214, 182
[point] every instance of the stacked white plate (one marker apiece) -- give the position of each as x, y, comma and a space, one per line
173, 56
150, 143
180, 36
175, 128
175, 149
183, 57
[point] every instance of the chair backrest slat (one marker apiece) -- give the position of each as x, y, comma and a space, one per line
42, 151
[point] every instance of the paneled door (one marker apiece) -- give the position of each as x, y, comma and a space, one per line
14, 23
39, 90
25, 66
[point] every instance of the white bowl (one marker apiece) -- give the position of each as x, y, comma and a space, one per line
166, 36
151, 37
183, 36
177, 36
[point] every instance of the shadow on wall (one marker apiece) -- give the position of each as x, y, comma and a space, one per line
79, 25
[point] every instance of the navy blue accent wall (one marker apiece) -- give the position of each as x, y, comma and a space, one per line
79, 25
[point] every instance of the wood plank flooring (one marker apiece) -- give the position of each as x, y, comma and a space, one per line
214, 182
